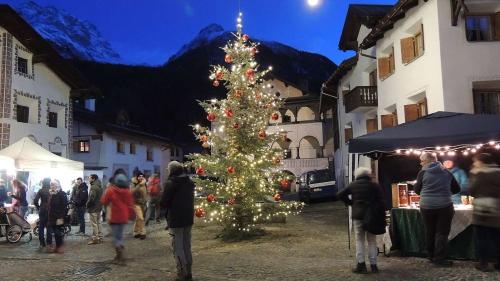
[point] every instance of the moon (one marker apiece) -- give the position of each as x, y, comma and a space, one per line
313, 3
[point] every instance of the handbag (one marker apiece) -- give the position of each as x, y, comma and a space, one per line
59, 222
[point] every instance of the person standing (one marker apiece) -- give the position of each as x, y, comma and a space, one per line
19, 201
461, 178
139, 193
94, 208
178, 199
119, 201
435, 185
80, 201
485, 188
41, 203
365, 193
57, 211
154, 195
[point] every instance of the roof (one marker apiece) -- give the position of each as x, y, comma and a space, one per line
343, 69
100, 124
437, 129
357, 15
302, 99
387, 22
43, 52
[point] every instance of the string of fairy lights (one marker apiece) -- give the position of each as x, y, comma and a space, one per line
451, 150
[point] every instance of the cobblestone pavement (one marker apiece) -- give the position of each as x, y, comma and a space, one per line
311, 246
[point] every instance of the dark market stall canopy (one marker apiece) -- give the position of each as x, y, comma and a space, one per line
437, 129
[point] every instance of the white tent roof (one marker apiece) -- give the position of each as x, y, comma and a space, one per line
28, 155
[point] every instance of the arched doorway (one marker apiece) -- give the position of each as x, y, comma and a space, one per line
309, 148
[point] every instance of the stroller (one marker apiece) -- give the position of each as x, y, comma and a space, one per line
66, 226
15, 226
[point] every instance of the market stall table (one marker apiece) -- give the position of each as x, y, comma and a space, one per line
408, 233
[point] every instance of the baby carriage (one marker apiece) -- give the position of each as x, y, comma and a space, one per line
66, 226
14, 225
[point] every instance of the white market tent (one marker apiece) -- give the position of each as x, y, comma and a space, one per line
30, 156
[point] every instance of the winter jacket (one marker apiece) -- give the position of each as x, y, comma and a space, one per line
485, 188
363, 191
120, 204
139, 192
57, 207
41, 201
3, 195
462, 180
94, 203
20, 197
81, 195
178, 199
435, 185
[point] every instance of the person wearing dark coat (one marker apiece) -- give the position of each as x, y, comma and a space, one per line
94, 208
485, 188
178, 199
41, 203
19, 198
57, 211
435, 185
364, 192
80, 200
3, 192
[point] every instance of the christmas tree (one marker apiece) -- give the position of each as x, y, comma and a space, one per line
242, 173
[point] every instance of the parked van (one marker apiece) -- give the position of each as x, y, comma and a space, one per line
317, 184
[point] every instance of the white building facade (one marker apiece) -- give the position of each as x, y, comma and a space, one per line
36, 87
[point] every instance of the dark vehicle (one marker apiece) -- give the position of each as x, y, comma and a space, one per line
317, 184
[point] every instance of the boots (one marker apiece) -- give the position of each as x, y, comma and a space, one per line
120, 256
374, 268
360, 268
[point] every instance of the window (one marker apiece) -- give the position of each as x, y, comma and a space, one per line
84, 146
373, 77
348, 134
482, 27
287, 119
320, 176
149, 154
389, 120
371, 125
52, 119
23, 113
386, 65
422, 108
415, 111
22, 65
487, 101
132, 148
412, 47
120, 147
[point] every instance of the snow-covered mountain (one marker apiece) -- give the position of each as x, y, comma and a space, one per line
71, 37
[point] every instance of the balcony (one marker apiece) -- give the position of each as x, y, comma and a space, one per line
361, 99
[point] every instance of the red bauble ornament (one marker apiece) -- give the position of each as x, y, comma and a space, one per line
205, 145
203, 138
216, 83
211, 116
199, 212
262, 134
230, 170
231, 201
275, 116
253, 50
237, 94
277, 197
250, 73
276, 160
219, 75
228, 58
229, 113
211, 198
200, 171
236, 126
284, 183
245, 37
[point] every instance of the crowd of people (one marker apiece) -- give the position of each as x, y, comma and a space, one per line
436, 184
122, 200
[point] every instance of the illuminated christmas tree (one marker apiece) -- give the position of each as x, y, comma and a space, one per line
242, 173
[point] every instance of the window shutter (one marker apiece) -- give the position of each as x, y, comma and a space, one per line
411, 112
407, 49
348, 134
497, 26
76, 146
423, 36
383, 67
371, 125
387, 120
